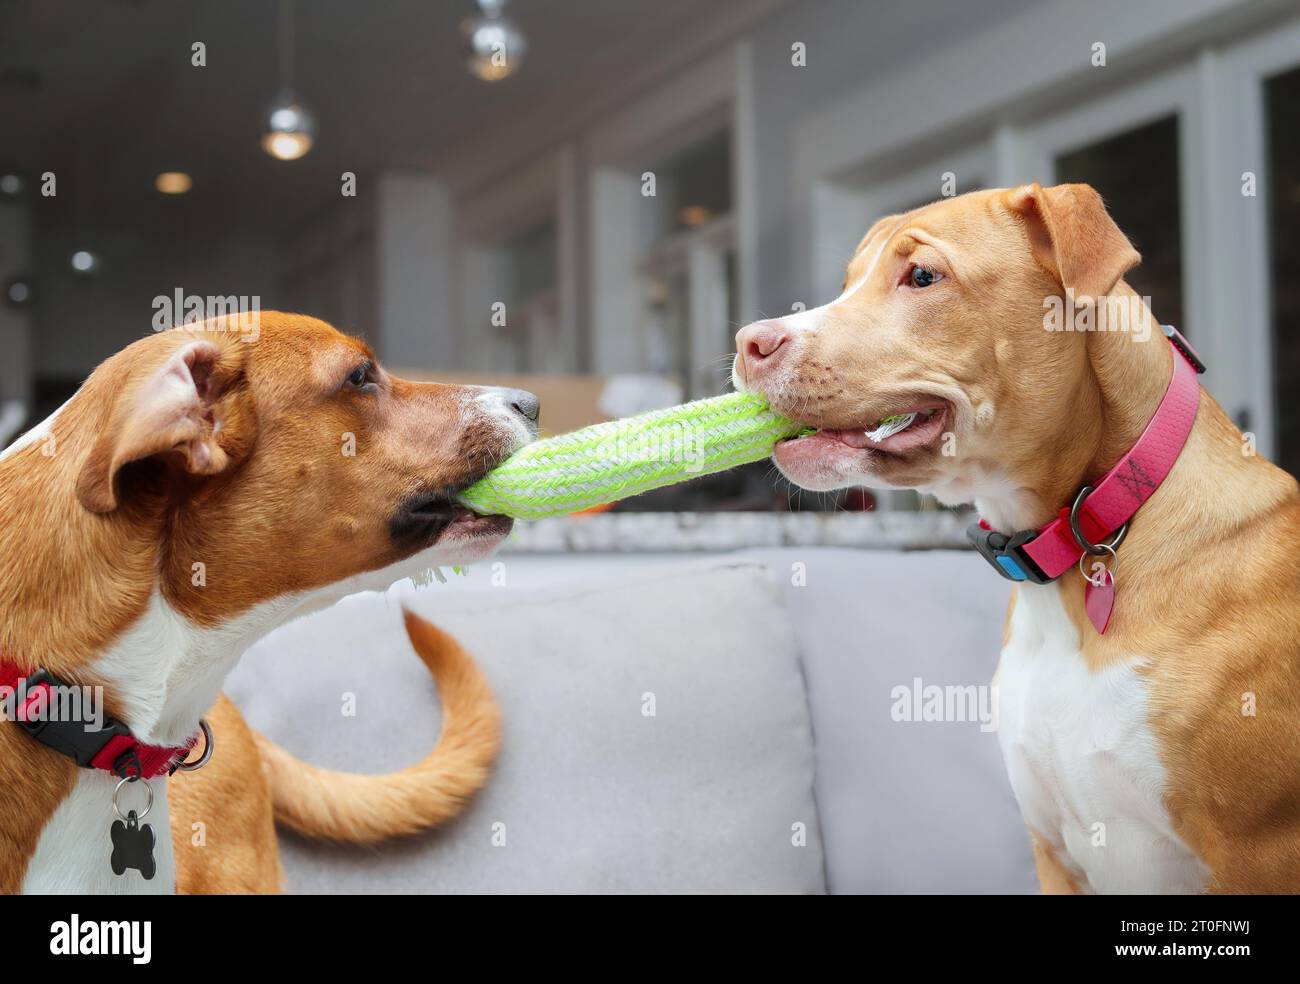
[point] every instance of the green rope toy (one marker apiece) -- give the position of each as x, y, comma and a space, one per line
606, 462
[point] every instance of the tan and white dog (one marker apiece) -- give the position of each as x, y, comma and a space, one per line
1164, 755
226, 447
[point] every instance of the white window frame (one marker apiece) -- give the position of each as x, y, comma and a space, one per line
1234, 82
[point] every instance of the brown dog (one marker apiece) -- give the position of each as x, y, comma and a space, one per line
1163, 755
205, 485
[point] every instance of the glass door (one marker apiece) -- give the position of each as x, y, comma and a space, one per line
1260, 264
1282, 136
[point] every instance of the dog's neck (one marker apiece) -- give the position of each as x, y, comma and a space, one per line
81, 596
1123, 375
1217, 484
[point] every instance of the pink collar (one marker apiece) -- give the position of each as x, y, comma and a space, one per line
1104, 508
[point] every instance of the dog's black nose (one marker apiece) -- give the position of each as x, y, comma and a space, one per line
523, 403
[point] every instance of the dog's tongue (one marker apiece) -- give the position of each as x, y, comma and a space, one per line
896, 434
853, 438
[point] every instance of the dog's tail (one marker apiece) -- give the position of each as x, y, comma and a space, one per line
344, 806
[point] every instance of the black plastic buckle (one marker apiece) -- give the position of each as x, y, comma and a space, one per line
69, 738
1005, 555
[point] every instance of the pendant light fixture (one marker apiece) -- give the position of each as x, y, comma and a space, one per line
290, 129
496, 45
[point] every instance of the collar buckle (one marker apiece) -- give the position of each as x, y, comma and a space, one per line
68, 737
1184, 347
1004, 553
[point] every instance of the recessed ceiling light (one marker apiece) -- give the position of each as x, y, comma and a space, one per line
173, 182
18, 292
84, 261
694, 215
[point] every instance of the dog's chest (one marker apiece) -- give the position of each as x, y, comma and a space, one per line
1082, 759
74, 853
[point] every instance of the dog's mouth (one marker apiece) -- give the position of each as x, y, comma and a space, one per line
439, 517
836, 457
895, 434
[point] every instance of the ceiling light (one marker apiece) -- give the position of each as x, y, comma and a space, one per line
496, 46
693, 216
173, 182
84, 262
18, 292
290, 130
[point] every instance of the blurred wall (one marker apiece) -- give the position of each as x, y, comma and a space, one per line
83, 319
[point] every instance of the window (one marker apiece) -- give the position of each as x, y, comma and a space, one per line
531, 277
694, 188
687, 267
1136, 172
666, 325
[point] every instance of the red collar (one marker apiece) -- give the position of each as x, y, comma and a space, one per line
1104, 508
112, 748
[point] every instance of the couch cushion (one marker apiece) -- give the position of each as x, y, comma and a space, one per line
906, 805
594, 796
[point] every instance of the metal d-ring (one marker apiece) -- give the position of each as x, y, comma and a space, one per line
118, 789
208, 745
1096, 549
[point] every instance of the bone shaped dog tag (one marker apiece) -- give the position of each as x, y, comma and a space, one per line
133, 844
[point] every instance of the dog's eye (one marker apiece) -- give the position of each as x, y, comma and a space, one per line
360, 376
919, 276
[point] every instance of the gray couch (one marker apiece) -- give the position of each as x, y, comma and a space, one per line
718, 724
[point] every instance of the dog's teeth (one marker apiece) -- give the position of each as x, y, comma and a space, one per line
889, 426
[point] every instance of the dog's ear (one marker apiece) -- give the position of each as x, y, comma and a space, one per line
175, 402
1073, 237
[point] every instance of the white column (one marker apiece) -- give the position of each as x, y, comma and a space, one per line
569, 210
744, 174
616, 205
413, 251
707, 306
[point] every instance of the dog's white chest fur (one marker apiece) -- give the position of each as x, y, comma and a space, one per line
73, 855
1082, 759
